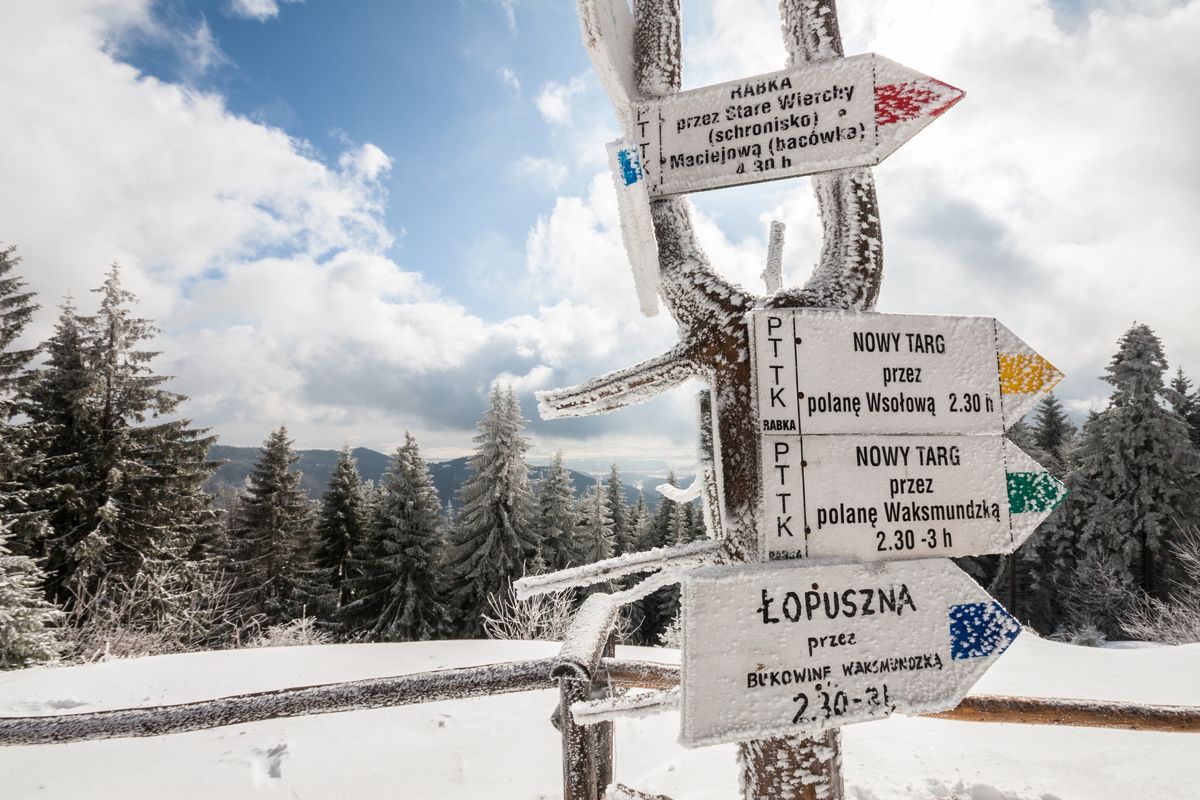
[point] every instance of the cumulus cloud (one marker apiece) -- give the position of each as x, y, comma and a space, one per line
258, 10
510, 79
544, 170
554, 99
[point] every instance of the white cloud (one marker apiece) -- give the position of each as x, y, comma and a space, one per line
509, 7
510, 79
554, 99
544, 170
258, 10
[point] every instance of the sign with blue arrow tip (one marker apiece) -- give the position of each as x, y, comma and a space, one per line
776, 650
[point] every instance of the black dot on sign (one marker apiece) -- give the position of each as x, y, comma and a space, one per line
809, 530
800, 395
815, 586
799, 340
804, 463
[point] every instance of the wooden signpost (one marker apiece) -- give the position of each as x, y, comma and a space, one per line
862, 416
839, 372
852, 112
772, 650
881, 433
879, 498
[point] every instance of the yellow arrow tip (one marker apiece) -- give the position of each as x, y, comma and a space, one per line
1027, 373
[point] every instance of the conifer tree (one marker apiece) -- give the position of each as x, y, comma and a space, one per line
659, 608
640, 524
123, 489
270, 537
18, 442
493, 542
397, 597
556, 517
623, 541
27, 620
1052, 433
341, 526
594, 533
1137, 476
1186, 403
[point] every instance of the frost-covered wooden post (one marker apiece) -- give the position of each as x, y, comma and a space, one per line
712, 314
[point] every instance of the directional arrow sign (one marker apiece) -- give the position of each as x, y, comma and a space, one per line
853, 372
877, 498
849, 112
771, 650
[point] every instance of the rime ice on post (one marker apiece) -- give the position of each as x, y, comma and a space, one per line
711, 313
637, 228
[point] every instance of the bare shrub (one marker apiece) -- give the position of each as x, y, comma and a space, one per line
153, 614
672, 635
1096, 598
544, 617
1176, 621
297, 632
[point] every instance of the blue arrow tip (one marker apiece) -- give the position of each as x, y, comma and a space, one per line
978, 630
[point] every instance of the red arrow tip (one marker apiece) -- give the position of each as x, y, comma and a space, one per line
901, 102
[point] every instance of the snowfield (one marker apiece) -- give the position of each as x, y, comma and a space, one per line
504, 746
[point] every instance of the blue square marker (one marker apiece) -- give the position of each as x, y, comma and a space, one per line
978, 630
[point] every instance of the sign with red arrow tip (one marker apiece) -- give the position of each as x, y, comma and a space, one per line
850, 112
771, 650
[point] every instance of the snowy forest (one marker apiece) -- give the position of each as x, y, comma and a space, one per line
110, 546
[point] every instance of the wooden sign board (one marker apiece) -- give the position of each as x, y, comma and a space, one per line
878, 498
849, 112
821, 372
775, 650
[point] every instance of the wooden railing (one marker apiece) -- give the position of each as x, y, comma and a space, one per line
584, 670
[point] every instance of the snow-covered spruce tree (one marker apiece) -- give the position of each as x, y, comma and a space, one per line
341, 527
270, 538
18, 443
1052, 432
122, 488
1139, 476
640, 524
659, 608
622, 530
1008, 576
27, 620
397, 597
556, 517
594, 533
493, 541
1186, 402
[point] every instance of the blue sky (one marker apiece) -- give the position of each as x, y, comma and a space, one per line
355, 217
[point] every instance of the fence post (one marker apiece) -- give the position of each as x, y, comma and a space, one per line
579, 774
603, 742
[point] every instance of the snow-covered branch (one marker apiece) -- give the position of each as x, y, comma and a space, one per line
619, 389
692, 554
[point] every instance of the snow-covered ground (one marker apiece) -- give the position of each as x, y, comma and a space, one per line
504, 747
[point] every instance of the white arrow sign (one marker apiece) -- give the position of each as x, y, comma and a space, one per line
854, 372
849, 112
773, 650
877, 498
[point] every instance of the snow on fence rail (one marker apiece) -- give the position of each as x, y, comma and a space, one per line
521, 676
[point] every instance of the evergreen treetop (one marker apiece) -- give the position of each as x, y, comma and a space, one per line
493, 541
556, 517
397, 596
341, 526
270, 538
